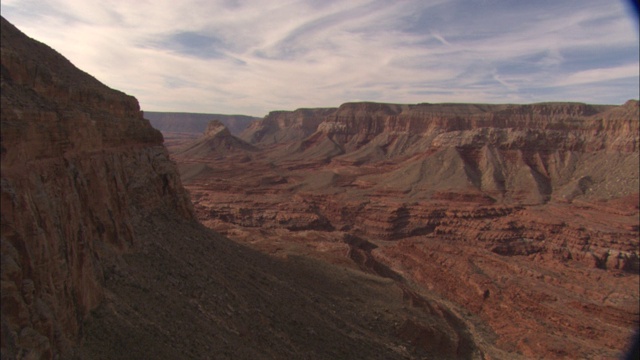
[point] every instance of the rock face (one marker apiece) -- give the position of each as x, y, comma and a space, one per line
508, 211
354, 125
80, 169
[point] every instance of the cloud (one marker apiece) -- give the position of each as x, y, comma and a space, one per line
599, 75
250, 56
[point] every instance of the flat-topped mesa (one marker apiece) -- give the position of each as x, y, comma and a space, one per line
569, 126
564, 126
81, 172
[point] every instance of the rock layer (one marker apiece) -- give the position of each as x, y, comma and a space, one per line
80, 169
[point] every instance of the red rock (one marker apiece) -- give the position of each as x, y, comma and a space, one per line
523, 216
79, 165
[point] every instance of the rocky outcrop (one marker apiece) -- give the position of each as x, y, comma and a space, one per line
81, 169
217, 141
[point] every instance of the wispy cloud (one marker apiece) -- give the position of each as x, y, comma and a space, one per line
250, 56
599, 75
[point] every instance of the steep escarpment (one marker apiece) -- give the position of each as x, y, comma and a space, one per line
354, 125
511, 153
410, 129
81, 169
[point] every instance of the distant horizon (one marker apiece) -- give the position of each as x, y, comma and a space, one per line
382, 102
252, 57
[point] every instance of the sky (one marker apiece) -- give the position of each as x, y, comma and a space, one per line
254, 56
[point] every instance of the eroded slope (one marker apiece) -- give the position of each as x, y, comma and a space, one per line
524, 216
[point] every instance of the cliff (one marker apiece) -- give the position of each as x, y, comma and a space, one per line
81, 169
564, 125
513, 153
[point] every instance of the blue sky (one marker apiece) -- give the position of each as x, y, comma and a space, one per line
251, 57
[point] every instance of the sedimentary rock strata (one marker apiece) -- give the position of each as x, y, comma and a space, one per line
80, 169
525, 216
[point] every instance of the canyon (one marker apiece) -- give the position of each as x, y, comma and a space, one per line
523, 219
367, 231
103, 257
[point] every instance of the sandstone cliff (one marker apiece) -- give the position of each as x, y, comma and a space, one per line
512, 153
216, 143
570, 126
81, 169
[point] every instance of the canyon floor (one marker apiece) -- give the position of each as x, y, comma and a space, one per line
538, 280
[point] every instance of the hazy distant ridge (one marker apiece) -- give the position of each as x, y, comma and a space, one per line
195, 123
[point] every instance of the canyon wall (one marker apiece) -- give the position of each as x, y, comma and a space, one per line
81, 171
511, 153
571, 126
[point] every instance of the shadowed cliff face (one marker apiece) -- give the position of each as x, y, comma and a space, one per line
499, 245
81, 169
